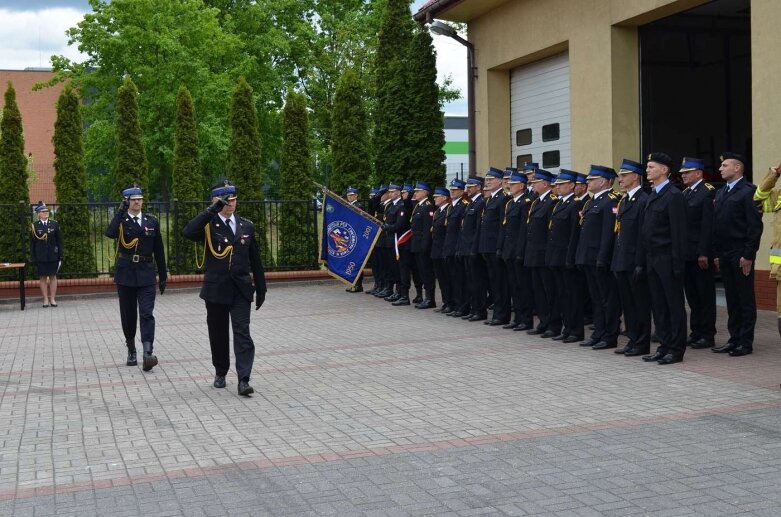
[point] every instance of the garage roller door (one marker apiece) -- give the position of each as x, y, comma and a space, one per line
540, 113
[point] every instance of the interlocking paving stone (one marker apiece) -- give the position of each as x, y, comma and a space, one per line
366, 409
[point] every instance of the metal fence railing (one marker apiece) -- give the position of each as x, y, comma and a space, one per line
287, 232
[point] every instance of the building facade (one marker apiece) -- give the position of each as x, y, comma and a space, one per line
568, 83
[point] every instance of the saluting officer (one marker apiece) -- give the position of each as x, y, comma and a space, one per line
476, 275
420, 243
582, 196
490, 224
47, 252
560, 256
662, 241
538, 220
515, 212
737, 230
407, 267
231, 253
352, 197
438, 235
139, 244
456, 264
593, 255
632, 289
699, 282
397, 225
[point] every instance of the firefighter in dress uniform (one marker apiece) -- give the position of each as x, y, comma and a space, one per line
139, 246
47, 252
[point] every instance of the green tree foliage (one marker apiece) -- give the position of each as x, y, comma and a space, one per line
394, 106
297, 221
70, 180
131, 164
13, 181
244, 152
350, 144
427, 123
162, 44
244, 163
186, 182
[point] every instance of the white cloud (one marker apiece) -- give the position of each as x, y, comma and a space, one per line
30, 38
451, 60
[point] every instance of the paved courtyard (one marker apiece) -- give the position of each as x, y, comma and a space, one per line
366, 409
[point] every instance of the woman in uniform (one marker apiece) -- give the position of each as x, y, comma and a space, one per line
46, 252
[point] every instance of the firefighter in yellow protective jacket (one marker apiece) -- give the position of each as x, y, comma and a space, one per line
771, 203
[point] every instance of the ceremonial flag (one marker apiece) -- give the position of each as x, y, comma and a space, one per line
347, 238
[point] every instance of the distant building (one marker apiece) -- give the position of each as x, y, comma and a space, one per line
39, 112
456, 147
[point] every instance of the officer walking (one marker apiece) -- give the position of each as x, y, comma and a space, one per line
662, 241
560, 256
230, 254
699, 282
139, 244
47, 252
593, 255
737, 230
632, 289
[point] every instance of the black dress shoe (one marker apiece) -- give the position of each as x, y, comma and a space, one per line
653, 357
560, 337
417, 299
604, 345
150, 361
245, 389
456, 314
692, 339
535, 332
219, 381
494, 323
523, 326
670, 359
510, 326
392, 297
572, 339
477, 317
383, 293
402, 300
724, 349
632, 352
444, 308
591, 342
621, 350
702, 343
741, 350
467, 317
549, 334
132, 360
426, 304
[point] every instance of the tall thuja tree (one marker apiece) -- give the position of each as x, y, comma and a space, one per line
186, 181
13, 181
350, 145
131, 165
297, 222
427, 123
244, 165
394, 107
70, 181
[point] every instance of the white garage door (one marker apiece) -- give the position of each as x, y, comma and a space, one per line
540, 114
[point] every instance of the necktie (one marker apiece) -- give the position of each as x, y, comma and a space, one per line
135, 219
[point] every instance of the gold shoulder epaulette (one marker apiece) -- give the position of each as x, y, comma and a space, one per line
614, 195
554, 197
709, 186
247, 220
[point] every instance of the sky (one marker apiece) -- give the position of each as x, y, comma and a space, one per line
31, 31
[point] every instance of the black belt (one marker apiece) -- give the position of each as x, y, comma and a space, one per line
135, 258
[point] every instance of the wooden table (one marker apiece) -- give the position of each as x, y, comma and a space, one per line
20, 266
